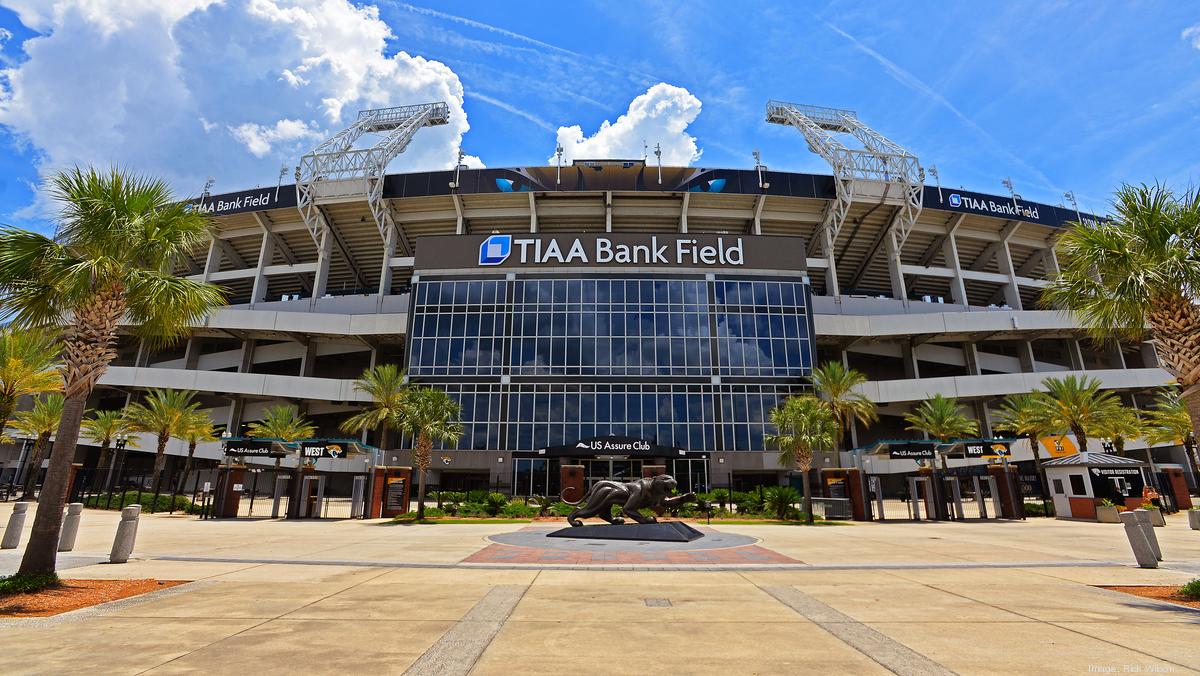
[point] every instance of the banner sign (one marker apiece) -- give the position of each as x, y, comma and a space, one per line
259, 199
986, 449
252, 448
613, 445
911, 451
393, 500
321, 449
609, 250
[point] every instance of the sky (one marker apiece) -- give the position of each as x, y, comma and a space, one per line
1056, 95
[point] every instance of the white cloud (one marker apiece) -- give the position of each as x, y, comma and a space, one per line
259, 139
660, 116
125, 81
1192, 35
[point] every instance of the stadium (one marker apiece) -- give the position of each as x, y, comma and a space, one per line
617, 314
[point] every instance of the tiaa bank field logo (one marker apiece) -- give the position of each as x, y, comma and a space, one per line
495, 249
955, 200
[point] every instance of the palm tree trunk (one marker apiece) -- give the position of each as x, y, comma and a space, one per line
42, 551
1037, 462
106, 455
87, 351
805, 484
160, 460
187, 469
1080, 437
33, 466
421, 460
7, 406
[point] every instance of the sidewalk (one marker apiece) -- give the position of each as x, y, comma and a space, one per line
868, 598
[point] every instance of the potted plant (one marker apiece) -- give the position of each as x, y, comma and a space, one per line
1194, 518
1106, 512
1156, 515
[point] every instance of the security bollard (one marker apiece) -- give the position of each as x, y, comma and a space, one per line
126, 533
1143, 520
1138, 542
16, 521
70, 527
1194, 518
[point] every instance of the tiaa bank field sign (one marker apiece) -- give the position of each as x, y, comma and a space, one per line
533, 251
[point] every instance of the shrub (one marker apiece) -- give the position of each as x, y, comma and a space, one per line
1037, 509
118, 501
561, 509
450, 497
750, 502
478, 496
781, 500
433, 513
544, 503
25, 584
1191, 590
516, 510
473, 509
494, 502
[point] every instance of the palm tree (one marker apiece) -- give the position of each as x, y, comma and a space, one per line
282, 422
111, 260
1027, 415
1078, 405
38, 423
385, 385
1170, 423
805, 425
1139, 270
1124, 424
940, 417
429, 415
163, 414
105, 426
195, 429
28, 366
836, 384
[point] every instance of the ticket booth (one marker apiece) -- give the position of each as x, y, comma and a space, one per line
1082, 481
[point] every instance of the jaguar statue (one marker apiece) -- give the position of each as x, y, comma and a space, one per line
648, 493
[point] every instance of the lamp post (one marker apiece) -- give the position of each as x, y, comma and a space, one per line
119, 443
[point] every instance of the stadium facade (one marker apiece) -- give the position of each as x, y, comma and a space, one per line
618, 313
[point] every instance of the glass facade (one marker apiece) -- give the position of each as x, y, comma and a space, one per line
538, 361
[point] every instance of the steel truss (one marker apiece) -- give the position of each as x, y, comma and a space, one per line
335, 171
869, 173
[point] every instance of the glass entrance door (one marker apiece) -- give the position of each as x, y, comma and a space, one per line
691, 474
612, 470
531, 476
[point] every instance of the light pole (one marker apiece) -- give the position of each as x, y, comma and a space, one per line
119, 443
1070, 197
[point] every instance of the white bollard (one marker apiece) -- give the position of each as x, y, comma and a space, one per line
16, 521
1143, 521
1194, 518
1138, 542
126, 534
70, 527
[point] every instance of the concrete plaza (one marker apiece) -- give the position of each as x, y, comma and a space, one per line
337, 596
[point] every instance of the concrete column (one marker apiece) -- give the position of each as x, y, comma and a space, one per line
892, 247
909, 354
237, 406
1113, 356
385, 275
212, 262
191, 354
246, 361
265, 252
533, 224
1025, 355
687, 196
608, 211
831, 281
461, 225
143, 354
309, 358
984, 418
958, 290
971, 357
1075, 354
1012, 293
321, 279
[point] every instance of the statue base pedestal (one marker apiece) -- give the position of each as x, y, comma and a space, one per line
667, 531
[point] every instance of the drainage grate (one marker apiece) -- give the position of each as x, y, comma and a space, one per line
658, 603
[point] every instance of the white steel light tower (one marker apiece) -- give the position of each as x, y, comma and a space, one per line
869, 173
336, 171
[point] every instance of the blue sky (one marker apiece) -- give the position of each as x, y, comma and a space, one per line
1058, 95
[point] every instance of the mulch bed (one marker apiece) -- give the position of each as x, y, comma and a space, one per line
76, 594
1170, 594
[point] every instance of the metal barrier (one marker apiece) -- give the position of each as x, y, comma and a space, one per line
832, 508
